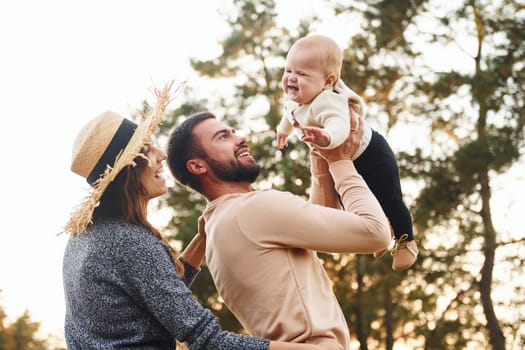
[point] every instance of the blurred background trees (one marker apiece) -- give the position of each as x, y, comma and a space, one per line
457, 126
22, 333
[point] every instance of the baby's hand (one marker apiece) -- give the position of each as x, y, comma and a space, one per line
281, 140
315, 135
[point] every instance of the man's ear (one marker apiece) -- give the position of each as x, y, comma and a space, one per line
196, 166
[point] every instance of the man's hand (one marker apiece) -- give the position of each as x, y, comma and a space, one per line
196, 249
348, 148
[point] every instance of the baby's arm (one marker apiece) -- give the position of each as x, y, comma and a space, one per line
330, 111
315, 135
284, 128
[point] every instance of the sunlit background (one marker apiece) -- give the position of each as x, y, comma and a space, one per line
61, 63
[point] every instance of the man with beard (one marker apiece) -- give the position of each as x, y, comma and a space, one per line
262, 246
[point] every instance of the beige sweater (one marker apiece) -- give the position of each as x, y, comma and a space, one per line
261, 252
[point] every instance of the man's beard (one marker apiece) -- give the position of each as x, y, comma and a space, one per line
235, 171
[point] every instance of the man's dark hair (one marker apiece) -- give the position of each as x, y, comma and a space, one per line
182, 147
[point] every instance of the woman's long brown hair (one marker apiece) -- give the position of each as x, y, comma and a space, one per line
126, 197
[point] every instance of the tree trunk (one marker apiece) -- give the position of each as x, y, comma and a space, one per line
497, 340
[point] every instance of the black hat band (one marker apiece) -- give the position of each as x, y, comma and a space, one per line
119, 141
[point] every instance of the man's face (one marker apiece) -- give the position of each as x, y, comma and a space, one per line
227, 154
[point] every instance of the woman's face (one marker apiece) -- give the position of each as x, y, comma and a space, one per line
152, 177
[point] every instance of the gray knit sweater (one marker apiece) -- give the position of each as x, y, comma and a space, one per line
122, 291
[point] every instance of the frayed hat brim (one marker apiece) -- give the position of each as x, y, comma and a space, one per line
82, 215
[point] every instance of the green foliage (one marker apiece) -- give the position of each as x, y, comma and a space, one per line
389, 20
445, 85
21, 334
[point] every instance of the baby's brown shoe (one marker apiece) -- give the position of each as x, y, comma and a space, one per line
404, 252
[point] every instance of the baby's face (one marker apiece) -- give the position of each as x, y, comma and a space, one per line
304, 76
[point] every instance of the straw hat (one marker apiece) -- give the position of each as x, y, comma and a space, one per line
106, 145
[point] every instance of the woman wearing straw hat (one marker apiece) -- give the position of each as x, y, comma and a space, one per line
125, 286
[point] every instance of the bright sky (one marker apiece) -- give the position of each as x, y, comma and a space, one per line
63, 62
